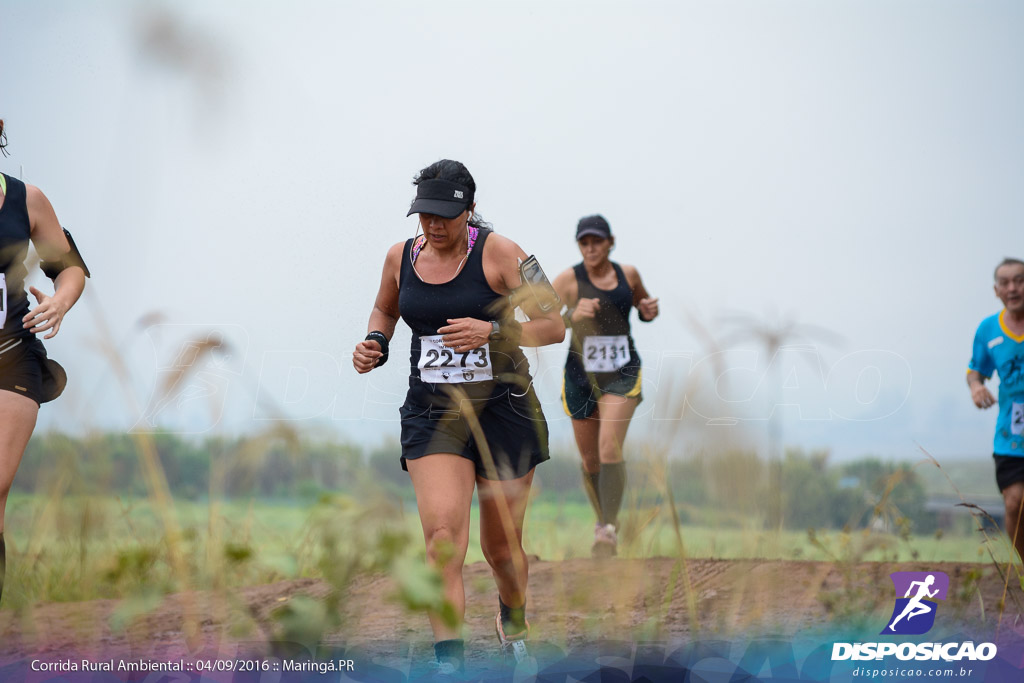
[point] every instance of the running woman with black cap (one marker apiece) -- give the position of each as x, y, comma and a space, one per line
601, 381
27, 377
471, 417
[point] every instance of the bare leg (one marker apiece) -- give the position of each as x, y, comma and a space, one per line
444, 492
17, 420
502, 510
615, 412
1013, 498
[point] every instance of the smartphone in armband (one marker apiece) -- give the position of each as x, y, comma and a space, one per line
538, 284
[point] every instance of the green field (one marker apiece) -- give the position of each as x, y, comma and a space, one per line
81, 548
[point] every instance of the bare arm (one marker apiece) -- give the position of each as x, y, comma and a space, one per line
543, 328
501, 267
50, 243
384, 315
566, 287
568, 290
981, 396
646, 306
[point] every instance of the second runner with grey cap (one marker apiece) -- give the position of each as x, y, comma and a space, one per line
470, 418
601, 383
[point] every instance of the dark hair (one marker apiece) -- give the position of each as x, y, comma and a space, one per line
454, 172
1008, 261
3, 139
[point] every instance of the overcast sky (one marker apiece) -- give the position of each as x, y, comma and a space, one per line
242, 168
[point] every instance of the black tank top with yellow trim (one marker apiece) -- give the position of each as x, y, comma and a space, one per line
603, 341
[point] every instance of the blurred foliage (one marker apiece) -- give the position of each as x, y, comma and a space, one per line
724, 488
275, 467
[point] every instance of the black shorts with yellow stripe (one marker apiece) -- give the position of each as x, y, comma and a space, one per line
580, 393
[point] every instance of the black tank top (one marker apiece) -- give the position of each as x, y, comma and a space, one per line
427, 307
612, 319
15, 230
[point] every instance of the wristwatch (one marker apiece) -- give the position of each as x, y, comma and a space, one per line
495, 334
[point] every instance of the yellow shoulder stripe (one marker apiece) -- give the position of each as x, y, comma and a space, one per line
1006, 330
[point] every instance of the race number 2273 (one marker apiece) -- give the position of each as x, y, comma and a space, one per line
441, 365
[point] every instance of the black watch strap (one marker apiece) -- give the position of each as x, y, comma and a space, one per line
381, 339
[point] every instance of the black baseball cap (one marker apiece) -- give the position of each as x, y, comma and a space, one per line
442, 198
593, 225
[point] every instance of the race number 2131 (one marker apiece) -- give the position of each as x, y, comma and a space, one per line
605, 353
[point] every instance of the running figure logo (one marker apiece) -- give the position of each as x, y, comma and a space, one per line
914, 613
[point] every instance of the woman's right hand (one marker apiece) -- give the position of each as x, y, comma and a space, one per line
364, 358
586, 308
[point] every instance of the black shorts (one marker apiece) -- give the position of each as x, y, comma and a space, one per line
1009, 470
25, 370
580, 400
514, 427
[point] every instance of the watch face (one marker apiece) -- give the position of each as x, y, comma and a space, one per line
495, 330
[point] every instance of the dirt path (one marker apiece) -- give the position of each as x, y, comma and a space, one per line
572, 604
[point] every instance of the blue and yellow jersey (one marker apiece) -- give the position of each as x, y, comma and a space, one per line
997, 349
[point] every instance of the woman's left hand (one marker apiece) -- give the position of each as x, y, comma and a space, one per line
648, 308
46, 315
465, 334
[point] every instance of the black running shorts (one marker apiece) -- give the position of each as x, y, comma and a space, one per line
25, 370
1009, 469
580, 400
513, 427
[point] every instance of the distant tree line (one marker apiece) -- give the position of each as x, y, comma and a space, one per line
720, 488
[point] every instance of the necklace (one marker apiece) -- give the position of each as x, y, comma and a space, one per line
421, 241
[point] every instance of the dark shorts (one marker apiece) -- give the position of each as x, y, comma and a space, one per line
25, 370
580, 400
513, 426
1009, 469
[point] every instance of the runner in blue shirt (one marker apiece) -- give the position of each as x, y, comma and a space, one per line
999, 347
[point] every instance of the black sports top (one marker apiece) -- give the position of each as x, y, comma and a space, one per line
427, 307
15, 231
612, 319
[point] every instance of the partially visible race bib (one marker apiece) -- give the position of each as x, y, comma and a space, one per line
441, 365
1017, 419
3, 300
605, 354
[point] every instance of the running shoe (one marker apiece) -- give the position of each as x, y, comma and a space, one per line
513, 647
442, 672
606, 541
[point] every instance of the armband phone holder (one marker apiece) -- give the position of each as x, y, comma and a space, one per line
538, 285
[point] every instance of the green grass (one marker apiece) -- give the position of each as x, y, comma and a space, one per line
562, 531
82, 548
